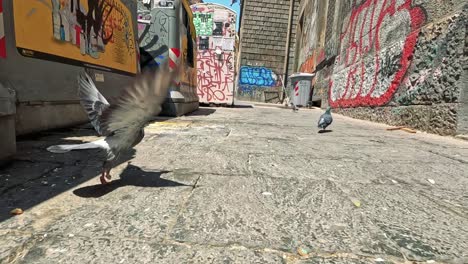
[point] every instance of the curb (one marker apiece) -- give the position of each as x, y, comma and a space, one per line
243, 103
462, 137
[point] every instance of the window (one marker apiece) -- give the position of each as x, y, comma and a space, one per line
190, 55
218, 31
204, 43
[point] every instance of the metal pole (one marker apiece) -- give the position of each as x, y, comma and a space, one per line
286, 52
239, 52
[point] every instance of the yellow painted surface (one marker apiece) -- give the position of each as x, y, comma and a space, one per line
34, 29
167, 125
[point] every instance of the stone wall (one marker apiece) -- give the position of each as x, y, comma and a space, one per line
264, 30
396, 62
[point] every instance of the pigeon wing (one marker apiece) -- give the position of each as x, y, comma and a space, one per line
92, 100
325, 120
138, 103
328, 119
321, 121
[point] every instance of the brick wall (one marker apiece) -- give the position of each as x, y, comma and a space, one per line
263, 45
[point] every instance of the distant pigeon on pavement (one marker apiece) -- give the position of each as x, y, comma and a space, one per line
121, 123
325, 119
294, 107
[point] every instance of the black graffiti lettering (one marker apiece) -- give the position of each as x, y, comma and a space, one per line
147, 57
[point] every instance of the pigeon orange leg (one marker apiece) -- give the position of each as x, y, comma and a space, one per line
108, 176
105, 176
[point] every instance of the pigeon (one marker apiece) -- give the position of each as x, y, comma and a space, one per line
325, 119
121, 124
294, 107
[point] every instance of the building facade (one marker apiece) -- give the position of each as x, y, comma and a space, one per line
390, 61
267, 44
216, 38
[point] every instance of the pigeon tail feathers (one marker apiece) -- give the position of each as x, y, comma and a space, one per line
66, 148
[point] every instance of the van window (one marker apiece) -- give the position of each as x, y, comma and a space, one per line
204, 43
218, 31
190, 55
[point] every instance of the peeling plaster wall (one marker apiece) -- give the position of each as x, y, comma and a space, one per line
400, 62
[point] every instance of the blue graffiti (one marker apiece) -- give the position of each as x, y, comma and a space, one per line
247, 89
155, 62
258, 76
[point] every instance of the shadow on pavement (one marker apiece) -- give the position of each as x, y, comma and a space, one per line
242, 105
36, 175
325, 131
202, 112
131, 176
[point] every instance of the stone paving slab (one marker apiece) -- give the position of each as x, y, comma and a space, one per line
102, 250
241, 185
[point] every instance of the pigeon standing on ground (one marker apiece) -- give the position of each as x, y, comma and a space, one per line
325, 119
122, 124
294, 107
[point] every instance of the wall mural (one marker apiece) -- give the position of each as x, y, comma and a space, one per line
259, 83
203, 23
79, 32
153, 37
216, 29
375, 56
257, 76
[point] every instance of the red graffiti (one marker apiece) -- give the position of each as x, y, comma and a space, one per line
377, 49
215, 77
312, 61
309, 64
113, 20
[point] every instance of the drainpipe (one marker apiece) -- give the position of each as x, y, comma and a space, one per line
238, 57
286, 51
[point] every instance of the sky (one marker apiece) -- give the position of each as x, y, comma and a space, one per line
235, 7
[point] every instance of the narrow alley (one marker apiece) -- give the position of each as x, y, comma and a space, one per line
241, 185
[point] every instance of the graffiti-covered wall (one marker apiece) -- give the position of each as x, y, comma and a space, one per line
216, 32
263, 47
45, 44
77, 32
153, 34
166, 33
258, 84
395, 61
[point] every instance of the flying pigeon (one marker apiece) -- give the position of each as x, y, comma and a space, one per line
325, 119
121, 123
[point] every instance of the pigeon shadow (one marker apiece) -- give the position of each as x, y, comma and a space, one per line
325, 131
35, 175
202, 112
131, 176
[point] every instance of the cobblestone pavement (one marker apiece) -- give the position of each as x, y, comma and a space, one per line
241, 185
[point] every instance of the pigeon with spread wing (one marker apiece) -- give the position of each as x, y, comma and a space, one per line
121, 124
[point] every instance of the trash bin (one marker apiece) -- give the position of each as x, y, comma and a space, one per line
301, 88
7, 123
